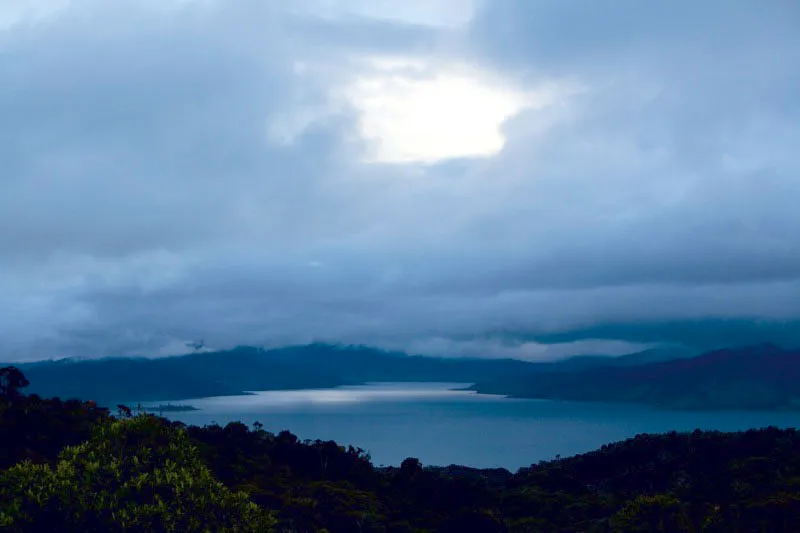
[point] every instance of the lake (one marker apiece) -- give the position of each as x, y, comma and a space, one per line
441, 426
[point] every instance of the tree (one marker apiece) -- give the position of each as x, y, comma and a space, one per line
123, 411
661, 512
11, 380
133, 475
410, 467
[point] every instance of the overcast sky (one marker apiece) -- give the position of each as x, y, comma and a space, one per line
441, 176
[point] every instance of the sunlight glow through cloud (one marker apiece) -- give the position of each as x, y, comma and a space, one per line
414, 112
472, 181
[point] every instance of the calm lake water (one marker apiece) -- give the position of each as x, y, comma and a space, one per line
441, 426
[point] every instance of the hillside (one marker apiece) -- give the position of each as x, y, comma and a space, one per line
587, 362
172, 378
758, 377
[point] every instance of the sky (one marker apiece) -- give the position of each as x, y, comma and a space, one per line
522, 178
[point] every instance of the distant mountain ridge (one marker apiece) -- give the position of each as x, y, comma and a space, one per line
756, 377
170, 378
585, 362
241, 369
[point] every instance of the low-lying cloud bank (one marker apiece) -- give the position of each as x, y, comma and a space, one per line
462, 178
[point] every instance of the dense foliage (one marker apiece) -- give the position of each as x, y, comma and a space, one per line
133, 475
70, 466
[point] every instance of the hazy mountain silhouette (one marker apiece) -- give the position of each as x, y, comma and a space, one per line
756, 377
242, 369
762, 377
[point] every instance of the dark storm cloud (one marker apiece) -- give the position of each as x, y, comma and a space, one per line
182, 170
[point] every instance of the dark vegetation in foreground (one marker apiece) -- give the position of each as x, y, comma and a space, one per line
69, 466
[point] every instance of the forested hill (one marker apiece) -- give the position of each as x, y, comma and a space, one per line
757, 377
69, 466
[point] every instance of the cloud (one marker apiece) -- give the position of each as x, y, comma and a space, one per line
413, 112
435, 13
29, 12
524, 350
448, 175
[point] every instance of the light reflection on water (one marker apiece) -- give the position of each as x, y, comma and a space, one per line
371, 392
440, 425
